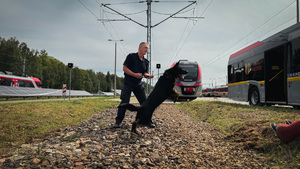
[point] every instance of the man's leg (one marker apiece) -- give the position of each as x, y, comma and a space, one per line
288, 133
139, 92
125, 98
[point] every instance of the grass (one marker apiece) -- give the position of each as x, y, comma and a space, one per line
231, 118
20, 122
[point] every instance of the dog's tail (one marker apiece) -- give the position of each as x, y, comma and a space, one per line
129, 107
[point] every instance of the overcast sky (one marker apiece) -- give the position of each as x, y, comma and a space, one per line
78, 31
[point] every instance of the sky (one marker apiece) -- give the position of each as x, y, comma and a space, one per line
77, 31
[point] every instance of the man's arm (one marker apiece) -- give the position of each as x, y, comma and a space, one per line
131, 73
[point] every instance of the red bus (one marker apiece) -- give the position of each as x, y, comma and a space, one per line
18, 81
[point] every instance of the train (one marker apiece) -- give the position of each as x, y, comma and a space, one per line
190, 86
221, 91
19, 81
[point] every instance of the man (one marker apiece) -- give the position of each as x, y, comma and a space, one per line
135, 67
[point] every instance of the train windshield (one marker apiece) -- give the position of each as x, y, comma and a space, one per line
192, 74
38, 84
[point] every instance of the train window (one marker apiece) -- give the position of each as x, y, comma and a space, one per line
192, 72
21, 83
27, 84
38, 84
5, 82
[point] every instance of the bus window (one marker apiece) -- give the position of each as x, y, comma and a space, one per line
295, 67
254, 68
239, 72
230, 74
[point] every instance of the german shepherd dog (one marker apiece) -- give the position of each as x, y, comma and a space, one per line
162, 90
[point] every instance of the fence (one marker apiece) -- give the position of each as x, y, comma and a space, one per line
24, 92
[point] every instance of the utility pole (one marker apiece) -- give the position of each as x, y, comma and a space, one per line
148, 26
149, 38
70, 65
23, 74
297, 8
115, 79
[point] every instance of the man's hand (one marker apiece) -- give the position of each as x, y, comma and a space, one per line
138, 75
148, 76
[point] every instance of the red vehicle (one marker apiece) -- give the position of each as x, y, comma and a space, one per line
220, 91
18, 81
206, 92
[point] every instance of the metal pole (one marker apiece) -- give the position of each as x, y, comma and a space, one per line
115, 85
115, 80
23, 74
70, 84
149, 37
297, 4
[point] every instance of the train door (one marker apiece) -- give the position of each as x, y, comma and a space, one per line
275, 75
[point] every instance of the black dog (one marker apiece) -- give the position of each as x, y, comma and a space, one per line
162, 90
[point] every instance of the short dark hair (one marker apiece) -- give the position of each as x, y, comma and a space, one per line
142, 43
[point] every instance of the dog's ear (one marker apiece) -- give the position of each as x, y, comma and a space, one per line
177, 64
183, 71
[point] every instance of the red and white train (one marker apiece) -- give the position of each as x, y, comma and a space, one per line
19, 81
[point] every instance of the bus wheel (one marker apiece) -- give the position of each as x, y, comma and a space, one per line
254, 97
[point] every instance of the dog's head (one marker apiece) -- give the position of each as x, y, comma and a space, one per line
175, 72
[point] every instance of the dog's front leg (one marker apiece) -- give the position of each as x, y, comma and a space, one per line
174, 95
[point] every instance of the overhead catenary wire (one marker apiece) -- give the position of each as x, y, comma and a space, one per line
106, 27
125, 51
218, 56
127, 13
88, 9
175, 55
265, 33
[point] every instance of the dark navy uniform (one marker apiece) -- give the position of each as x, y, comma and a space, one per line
132, 84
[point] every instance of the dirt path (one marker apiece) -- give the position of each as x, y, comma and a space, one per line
178, 141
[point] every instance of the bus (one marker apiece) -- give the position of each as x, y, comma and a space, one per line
190, 86
18, 81
267, 72
221, 91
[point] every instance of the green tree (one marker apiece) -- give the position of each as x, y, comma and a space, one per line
10, 56
102, 81
77, 79
52, 72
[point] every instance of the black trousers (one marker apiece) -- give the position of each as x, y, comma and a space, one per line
139, 92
